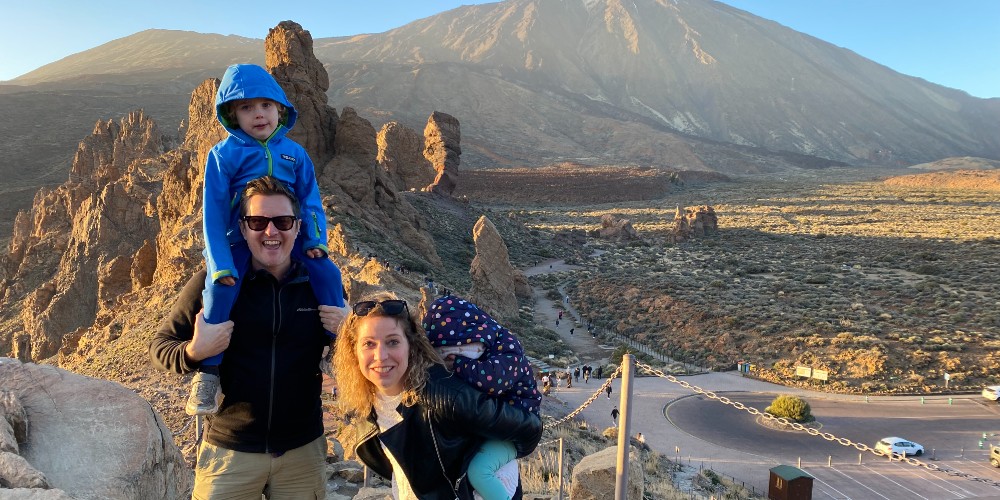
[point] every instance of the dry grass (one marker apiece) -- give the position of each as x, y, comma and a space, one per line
887, 287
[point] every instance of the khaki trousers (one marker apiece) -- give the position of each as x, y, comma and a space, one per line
223, 474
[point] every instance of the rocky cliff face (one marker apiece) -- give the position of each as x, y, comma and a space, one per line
79, 248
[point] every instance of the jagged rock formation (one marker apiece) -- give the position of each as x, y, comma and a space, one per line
358, 190
693, 222
76, 251
289, 57
615, 228
496, 284
400, 152
594, 476
442, 139
91, 438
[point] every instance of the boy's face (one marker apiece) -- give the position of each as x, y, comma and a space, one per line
257, 117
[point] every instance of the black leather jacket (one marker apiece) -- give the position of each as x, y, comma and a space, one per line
270, 372
439, 435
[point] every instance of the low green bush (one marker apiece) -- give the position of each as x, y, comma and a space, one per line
792, 408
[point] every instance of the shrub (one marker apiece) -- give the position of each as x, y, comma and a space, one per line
792, 408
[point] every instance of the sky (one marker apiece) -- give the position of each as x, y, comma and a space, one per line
955, 43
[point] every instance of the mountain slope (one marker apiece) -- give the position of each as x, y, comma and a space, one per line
695, 67
668, 83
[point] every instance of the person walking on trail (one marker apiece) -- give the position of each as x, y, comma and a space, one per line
614, 415
560, 314
576, 373
571, 331
608, 390
600, 371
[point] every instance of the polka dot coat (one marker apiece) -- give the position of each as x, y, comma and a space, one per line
502, 370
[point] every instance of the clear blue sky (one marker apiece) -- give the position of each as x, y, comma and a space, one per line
955, 43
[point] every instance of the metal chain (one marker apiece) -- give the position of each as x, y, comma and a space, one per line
604, 387
812, 432
188, 424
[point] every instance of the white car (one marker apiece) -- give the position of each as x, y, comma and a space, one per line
899, 446
991, 392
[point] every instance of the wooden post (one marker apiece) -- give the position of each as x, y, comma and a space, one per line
560, 497
624, 428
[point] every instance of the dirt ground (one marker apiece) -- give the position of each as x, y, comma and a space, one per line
547, 311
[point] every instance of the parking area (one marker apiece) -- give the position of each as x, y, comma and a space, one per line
880, 479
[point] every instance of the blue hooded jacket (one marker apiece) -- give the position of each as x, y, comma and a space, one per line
240, 158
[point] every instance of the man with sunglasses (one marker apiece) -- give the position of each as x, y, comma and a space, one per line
267, 436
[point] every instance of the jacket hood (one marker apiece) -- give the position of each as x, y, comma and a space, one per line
249, 81
451, 320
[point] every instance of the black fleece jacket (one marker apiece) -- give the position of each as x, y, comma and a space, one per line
445, 428
270, 373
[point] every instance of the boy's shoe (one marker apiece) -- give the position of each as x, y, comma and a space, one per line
205, 395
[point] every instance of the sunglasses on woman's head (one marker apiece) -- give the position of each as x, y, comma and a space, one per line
391, 307
259, 222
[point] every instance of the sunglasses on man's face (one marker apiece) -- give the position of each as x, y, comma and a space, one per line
259, 222
391, 307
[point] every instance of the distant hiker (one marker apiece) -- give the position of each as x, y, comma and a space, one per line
614, 414
571, 331
600, 371
608, 390
576, 373
254, 110
560, 314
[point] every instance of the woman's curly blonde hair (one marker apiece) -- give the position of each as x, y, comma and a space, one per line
354, 391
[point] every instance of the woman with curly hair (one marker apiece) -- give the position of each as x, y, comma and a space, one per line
417, 424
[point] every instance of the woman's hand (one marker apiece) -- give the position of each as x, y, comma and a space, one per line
315, 253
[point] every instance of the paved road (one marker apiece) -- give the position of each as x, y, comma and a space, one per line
706, 433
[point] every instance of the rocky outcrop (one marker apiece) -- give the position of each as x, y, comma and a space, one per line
693, 222
15, 471
442, 147
288, 55
594, 476
91, 438
179, 243
71, 256
357, 191
496, 284
400, 153
615, 228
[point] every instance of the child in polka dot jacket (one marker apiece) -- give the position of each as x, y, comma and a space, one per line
488, 356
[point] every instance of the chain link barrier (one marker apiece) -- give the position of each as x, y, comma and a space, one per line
770, 418
588, 402
812, 432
